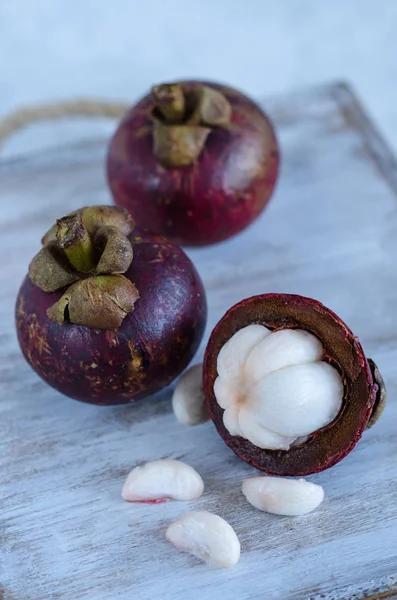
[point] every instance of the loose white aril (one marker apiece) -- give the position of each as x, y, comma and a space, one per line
188, 397
274, 387
206, 536
280, 496
161, 480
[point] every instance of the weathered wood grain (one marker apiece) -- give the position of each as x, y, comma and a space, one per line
330, 232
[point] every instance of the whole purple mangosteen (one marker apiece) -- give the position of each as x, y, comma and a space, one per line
109, 314
194, 161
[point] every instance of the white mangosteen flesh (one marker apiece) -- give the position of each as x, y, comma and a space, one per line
275, 388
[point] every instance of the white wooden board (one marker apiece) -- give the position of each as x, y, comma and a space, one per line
330, 233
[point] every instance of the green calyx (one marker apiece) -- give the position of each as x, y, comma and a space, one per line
183, 120
88, 251
380, 401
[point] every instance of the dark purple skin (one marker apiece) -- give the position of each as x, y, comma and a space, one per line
154, 344
209, 201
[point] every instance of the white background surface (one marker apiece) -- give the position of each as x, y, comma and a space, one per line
53, 49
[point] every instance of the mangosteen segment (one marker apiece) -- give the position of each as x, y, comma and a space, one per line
274, 386
287, 384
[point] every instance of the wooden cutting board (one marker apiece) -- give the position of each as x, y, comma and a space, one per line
330, 233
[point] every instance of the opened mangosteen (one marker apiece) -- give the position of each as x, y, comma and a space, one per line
194, 161
109, 314
288, 385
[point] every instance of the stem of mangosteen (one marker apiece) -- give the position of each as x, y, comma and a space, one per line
182, 122
170, 101
75, 241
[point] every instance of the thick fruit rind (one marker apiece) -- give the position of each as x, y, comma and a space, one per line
327, 446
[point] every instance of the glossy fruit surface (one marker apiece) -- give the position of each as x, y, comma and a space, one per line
154, 343
196, 200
